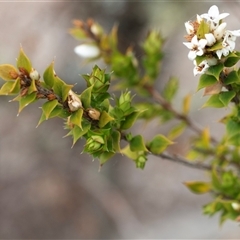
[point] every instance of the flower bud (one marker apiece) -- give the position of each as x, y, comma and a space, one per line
93, 113
87, 51
34, 75
74, 102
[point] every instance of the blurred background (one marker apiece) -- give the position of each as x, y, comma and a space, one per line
50, 190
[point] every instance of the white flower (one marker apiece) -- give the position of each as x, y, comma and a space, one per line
196, 47
201, 68
87, 51
219, 31
228, 43
210, 39
213, 16
223, 51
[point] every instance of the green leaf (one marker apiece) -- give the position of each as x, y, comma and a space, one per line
214, 101
216, 183
10, 88
232, 127
23, 61
85, 97
26, 100
226, 97
105, 118
130, 120
205, 81
6, 88
232, 77
16, 87
78, 132
105, 156
216, 46
8, 72
198, 187
231, 61
48, 107
215, 70
76, 117
116, 138
170, 89
159, 144
129, 153
202, 30
137, 144
65, 90
234, 140
61, 88
176, 131
58, 111
49, 75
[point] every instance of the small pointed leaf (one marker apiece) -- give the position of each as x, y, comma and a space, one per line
48, 107
105, 118
226, 97
23, 61
76, 117
8, 72
48, 75
205, 81
214, 101
215, 70
198, 187
6, 88
26, 100
176, 131
159, 144
137, 144
86, 97
232, 77
130, 120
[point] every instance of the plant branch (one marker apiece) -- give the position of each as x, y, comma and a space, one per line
178, 159
167, 106
175, 158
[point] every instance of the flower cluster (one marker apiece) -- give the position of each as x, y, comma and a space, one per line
208, 39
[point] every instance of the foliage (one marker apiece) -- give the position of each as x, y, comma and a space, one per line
104, 119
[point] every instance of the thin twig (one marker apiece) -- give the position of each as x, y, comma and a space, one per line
166, 105
178, 159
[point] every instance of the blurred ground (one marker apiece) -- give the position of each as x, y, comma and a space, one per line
47, 189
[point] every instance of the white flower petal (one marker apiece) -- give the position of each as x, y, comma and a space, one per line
219, 31
188, 45
213, 12
192, 55
219, 53
189, 27
210, 39
202, 43
235, 33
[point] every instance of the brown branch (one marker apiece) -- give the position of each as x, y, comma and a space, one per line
167, 106
178, 159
